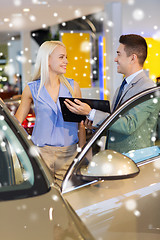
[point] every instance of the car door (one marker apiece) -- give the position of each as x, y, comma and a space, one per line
31, 207
20, 191
114, 183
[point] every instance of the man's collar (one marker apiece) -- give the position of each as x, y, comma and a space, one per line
131, 77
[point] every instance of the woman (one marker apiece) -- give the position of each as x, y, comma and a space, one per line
57, 140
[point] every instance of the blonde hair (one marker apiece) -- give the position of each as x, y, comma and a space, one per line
41, 66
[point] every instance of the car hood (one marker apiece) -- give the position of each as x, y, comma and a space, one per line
44, 217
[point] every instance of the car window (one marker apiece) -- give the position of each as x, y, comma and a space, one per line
136, 131
20, 175
16, 168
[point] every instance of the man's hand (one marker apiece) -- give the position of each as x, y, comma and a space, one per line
78, 107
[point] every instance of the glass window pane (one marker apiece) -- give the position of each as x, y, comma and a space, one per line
16, 171
135, 133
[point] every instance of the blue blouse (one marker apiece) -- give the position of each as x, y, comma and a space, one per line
50, 128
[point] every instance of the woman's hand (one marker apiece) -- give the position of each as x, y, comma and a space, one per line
88, 124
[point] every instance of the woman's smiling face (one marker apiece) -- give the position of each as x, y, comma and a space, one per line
58, 60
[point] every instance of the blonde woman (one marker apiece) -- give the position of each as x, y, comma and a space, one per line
56, 139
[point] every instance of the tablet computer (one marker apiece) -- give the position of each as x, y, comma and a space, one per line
68, 116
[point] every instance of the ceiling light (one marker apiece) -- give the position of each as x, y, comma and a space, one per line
6, 19
39, 2
16, 15
26, 9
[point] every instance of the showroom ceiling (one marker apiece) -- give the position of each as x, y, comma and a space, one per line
140, 16
17, 15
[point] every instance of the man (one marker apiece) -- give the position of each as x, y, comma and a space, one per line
131, 55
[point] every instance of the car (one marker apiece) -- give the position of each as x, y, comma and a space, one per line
7, 92
113, 184
31, 205
111, 189
13, 104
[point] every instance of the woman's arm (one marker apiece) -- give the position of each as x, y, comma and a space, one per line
81, 127
25, 105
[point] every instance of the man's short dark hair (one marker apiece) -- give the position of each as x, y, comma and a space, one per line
135, 44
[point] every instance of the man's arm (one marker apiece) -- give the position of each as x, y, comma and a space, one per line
81, 108
78, 107
99, 117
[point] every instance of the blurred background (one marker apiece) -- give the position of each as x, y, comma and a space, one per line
89, 29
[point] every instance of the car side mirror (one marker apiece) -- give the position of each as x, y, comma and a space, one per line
108, 165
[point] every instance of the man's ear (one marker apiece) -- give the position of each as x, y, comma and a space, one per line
134, 58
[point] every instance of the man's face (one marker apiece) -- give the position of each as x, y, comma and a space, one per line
123, 62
